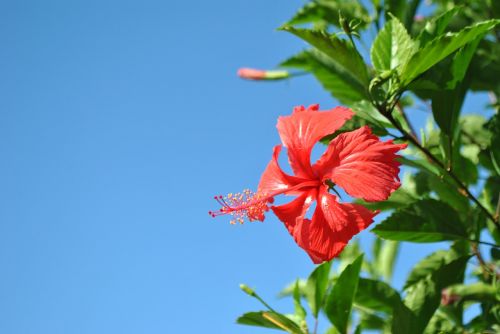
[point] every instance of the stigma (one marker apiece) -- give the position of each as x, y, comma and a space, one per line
244, 206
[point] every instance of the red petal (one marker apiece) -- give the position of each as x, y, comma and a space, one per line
274, 179
361, 164
332, 225
304, 128
292, 215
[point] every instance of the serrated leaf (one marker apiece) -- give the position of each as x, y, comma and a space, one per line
392, 47
316, 286
326, 72
441, 47
436, 26
427, 220
339, 302
327, 12
346, 59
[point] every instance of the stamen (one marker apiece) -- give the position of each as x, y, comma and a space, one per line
246, 205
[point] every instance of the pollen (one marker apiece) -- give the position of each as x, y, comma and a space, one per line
244, 206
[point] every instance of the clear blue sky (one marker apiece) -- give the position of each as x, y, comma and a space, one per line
119, 120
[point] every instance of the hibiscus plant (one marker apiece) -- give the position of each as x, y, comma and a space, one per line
424, 57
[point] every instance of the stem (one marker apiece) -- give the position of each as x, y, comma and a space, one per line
298, 74
497, 211
403, 114
484, 243
482, 263
388, 114
264, 303
315, 326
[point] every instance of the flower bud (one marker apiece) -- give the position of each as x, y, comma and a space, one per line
254, 74
448, 298
246, 289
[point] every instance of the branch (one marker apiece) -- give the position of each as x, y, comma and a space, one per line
388, 114
410, 126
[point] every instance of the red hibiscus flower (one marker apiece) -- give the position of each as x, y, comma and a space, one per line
357, 161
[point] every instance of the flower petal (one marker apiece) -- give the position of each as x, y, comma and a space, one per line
331, 227
361, 164
301, 130
274, 179
292, 215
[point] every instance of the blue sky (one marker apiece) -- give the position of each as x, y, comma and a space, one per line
119, 121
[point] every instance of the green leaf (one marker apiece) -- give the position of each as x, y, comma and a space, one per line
402, 9
300, 312
421, 164
365, 110
439, 323
269, 319
398, 199
324, 12
350, 253
440, 48
386, 258
494, 126
485, 67
316, 286
371, 321
474, 131
431, 263
376, 295
290, 288
448, 192
423, 297
392, 47
411, 10
491, 192
256, 319
427, 220
331, 77
341, 52
447, 103
394, 7
436, 26
478, 291
339, 302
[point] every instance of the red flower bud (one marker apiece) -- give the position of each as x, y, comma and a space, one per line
254, 74
448, 298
